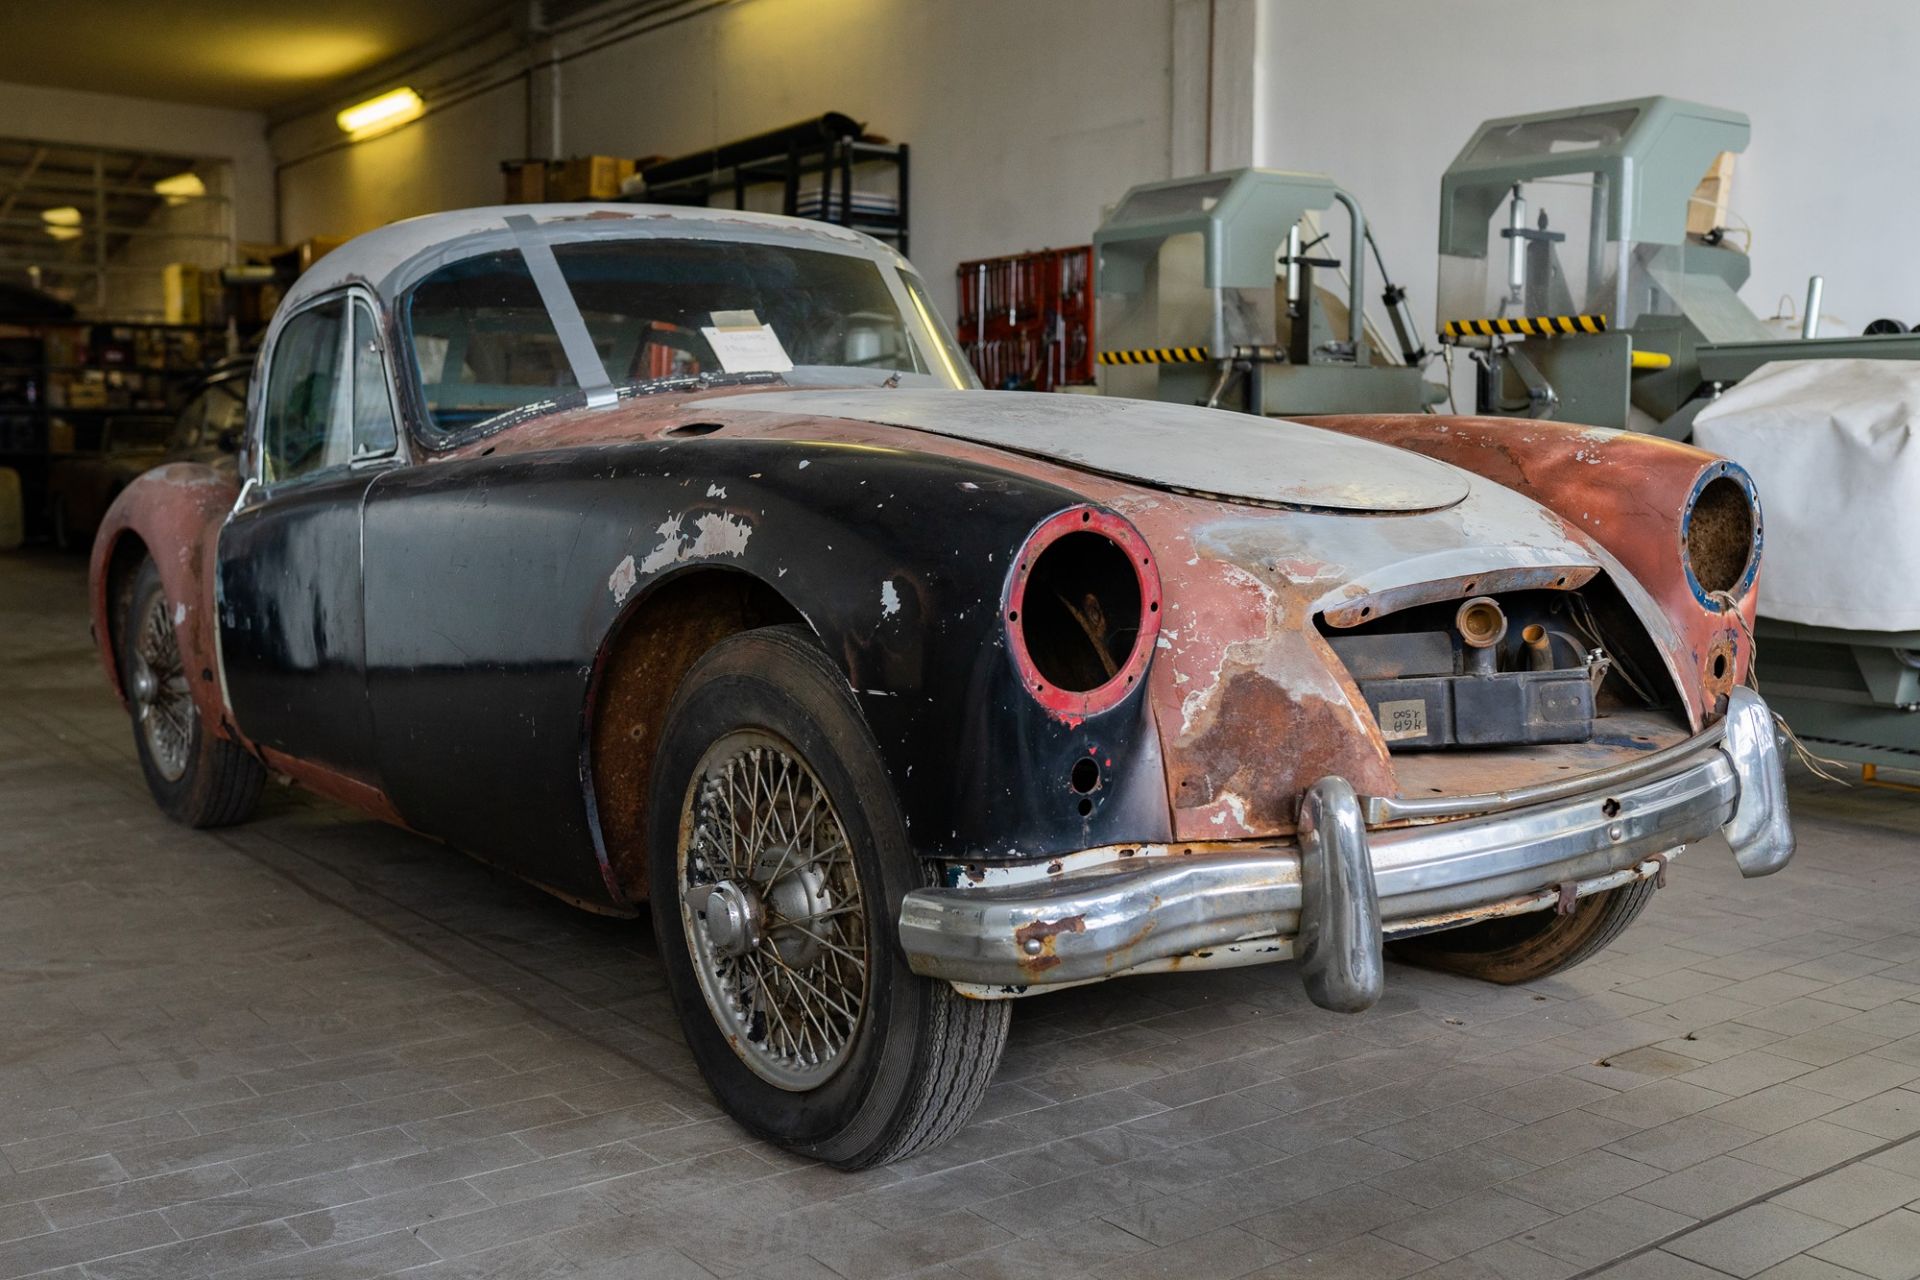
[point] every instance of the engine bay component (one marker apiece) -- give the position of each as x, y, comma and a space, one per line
1430, 689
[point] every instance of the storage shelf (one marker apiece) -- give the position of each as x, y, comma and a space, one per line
816, 157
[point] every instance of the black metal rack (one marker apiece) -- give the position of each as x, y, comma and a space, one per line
813, 163
149, 367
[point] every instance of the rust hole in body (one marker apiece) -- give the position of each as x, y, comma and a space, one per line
1720, 535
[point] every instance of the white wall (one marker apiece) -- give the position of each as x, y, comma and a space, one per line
1025, 117
107, 120
1382, 94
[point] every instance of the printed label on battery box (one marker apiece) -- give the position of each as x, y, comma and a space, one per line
1402, 720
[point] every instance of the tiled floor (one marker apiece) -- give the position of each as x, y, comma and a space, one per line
312, 1046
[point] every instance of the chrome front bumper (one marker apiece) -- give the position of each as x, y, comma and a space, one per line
1332, 897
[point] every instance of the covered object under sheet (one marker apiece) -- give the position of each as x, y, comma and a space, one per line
1830, 445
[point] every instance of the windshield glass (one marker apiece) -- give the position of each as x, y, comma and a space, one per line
483, 342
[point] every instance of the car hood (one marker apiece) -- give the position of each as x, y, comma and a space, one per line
1181, 448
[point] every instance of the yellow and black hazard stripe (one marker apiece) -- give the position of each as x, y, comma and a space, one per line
1156, 355
1524, 326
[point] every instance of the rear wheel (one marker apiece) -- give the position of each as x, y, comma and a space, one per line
195, 778
777, 864
1521, 948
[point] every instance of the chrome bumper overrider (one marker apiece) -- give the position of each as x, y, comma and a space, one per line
1333, 896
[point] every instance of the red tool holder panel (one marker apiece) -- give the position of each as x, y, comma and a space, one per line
1026, 321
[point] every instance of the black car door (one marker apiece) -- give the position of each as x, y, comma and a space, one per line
292, 618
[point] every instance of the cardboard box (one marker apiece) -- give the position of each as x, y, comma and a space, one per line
1708, 207
526, 181
587, 178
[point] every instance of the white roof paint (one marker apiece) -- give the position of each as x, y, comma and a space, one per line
389, 258
1172, 446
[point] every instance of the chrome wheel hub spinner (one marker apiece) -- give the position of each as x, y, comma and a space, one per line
773, 910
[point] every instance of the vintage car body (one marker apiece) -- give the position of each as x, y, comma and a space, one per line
491, 635
81, 486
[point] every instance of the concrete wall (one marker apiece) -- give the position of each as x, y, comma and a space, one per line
107, 120
1381, 95
1025, 118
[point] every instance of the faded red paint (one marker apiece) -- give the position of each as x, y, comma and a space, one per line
176, 512
1624, 490
1250, 703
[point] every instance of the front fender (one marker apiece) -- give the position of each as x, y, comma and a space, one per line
172, 514
1626, 491
493, 584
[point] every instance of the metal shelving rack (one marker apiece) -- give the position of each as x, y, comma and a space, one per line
816, 159
30, 404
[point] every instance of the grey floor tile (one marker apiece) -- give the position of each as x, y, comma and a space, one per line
1366, 1257
1888, 1248
1453, 1174
1712, 1186
1658, 1264
1578, 1181
1460, 1226
1808, 1148
1605, 1231
1748, 1242
1852, 1194
1683, 1142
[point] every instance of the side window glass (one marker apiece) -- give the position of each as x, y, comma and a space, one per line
374, 434
304, 427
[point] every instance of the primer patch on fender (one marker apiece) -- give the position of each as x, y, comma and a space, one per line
714, 534
622, 579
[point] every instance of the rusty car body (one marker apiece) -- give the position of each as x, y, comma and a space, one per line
722, 588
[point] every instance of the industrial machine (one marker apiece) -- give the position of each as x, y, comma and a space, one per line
1567, 268
1568, 271
1214, 290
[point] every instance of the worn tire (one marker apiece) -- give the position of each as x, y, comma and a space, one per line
1522, 948
220, 783
919, 1056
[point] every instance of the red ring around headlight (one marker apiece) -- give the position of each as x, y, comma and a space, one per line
1074, 705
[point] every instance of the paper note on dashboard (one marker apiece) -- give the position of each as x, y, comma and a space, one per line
743, 345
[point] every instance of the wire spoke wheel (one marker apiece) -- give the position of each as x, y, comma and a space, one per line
163, 702
775, 919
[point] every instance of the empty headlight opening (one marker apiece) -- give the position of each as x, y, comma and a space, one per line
1720, 536
1082, 611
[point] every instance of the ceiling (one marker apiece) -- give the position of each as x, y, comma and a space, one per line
224, 53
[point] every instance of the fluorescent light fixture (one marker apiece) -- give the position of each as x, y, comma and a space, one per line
181, 187
65, 216
377, 115
64, 233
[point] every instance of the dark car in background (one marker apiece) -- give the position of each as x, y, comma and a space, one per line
81, 486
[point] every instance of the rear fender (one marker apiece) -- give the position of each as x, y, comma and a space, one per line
1628, 492
174, 512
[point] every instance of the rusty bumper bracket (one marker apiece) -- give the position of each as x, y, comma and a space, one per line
1333, 897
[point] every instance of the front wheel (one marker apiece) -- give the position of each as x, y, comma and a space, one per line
777, 862
195, 777
1520, 948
